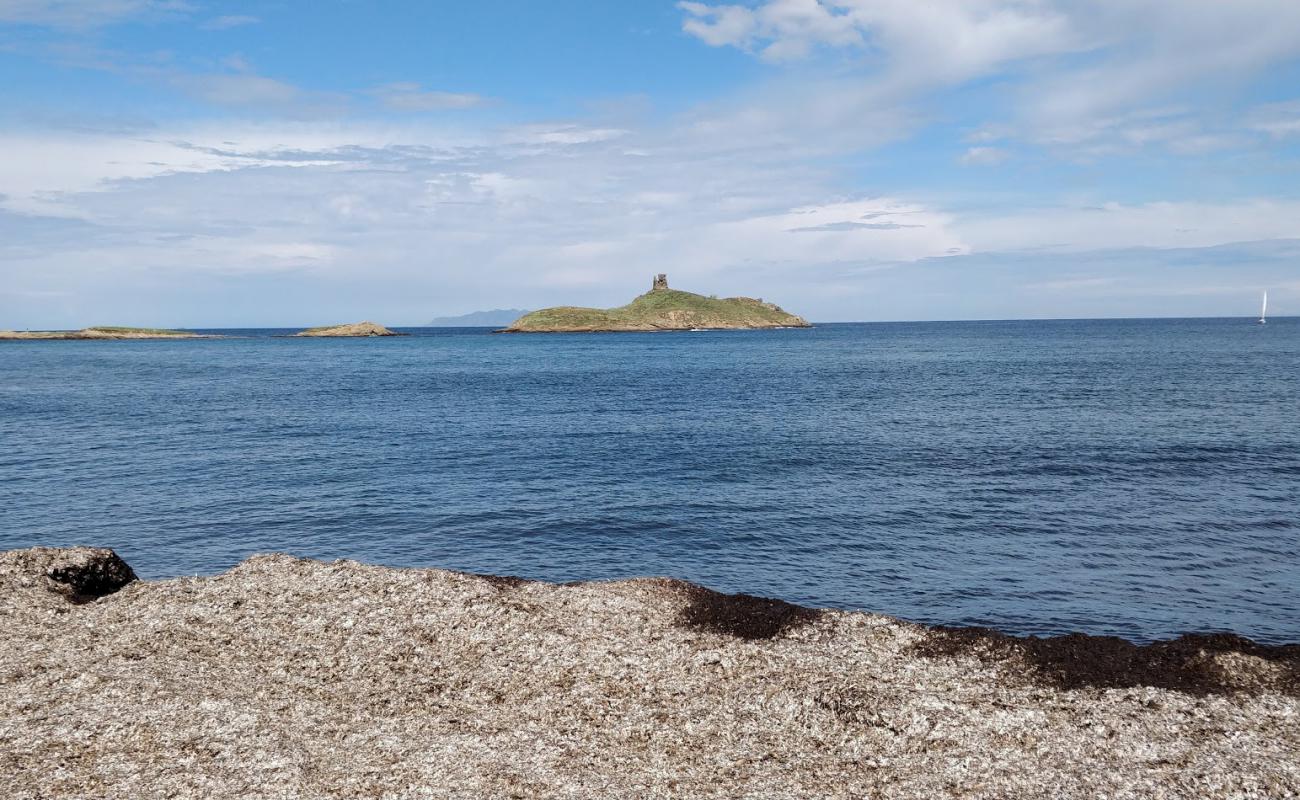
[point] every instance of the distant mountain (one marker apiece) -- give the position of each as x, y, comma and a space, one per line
494, 318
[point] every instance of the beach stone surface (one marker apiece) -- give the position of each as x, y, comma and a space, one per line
292, 678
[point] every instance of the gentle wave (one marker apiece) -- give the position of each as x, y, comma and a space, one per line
1137, 478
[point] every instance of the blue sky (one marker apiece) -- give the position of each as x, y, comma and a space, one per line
205, 164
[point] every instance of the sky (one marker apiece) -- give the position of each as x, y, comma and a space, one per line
195, 163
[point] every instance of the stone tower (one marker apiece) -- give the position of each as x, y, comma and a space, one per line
661, 282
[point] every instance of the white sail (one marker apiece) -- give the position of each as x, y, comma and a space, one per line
1263, 310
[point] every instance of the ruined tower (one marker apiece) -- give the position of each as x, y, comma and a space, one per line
661, 282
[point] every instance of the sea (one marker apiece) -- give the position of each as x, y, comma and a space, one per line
1136, 478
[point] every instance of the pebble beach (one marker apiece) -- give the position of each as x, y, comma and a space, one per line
291, 678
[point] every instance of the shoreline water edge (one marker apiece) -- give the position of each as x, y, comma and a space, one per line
289, 677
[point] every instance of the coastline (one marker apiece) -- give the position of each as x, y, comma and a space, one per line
291, 677
93, 335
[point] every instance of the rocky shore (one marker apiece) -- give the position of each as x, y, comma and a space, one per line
106, 333
294, 678
352, 329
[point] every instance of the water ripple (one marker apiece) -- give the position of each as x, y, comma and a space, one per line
1136, 478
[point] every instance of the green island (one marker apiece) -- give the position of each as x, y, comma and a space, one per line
106, 332
660, 309
353, 329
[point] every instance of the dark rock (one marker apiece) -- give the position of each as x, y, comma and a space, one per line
83, 574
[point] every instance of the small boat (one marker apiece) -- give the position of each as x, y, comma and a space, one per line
1263, 310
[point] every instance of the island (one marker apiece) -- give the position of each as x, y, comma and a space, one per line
107, 332
355, 329
660, 309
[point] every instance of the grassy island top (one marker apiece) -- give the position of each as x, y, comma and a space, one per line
660, 309
104, 332
118, 329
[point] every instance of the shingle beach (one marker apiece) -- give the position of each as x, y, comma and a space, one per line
291, 678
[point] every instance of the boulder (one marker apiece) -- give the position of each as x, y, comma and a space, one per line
80, 574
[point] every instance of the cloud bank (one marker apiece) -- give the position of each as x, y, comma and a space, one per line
892, 160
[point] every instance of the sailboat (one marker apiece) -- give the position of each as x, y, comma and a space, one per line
1263, 310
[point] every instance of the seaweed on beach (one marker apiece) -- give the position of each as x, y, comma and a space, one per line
502, 582
741, 615
1075, 661
83, 575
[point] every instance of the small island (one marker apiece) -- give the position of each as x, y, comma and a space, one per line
106, 332
660, 309
355, 329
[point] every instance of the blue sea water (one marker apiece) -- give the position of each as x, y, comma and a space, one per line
1130, 477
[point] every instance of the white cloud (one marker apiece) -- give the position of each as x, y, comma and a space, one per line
834, 233
406, 96
1074, 284
720, 25
395, 222
746, 193
789, 29
936, 42
57, 173
230, 21
530, 210
983, 156
563, 134
239, 89
1154, 48
1278, 120
1081, 74
1149, 225
246, 90
261, 254
541, 217
44, 170
82, 14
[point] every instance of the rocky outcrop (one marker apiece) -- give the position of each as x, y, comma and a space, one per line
287, 677
105, 333
79, 574
354, 329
